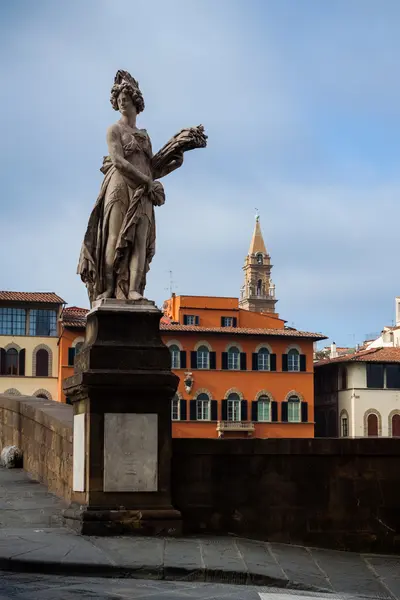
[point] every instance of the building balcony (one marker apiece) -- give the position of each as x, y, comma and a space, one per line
235, 426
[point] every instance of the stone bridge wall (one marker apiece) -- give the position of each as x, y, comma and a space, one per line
339, 493
43, 431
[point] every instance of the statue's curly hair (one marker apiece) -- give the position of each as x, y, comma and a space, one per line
134, 92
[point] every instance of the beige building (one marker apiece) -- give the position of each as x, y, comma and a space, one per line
258, 291
358, 395
29, 324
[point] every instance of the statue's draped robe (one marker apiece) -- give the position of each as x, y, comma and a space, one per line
135, 203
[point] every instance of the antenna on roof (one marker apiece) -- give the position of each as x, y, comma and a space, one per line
172, 284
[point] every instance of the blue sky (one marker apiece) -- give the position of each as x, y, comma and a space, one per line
301, 102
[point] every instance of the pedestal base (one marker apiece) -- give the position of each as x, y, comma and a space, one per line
102, 522
121, 391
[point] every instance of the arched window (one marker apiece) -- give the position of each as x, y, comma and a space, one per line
293, 360
263, 360
175, 357
42, 363
203, 407
264, 409
259, 259
344, 425
78, 347
233, 407
42, 396
259, 287
203, 357
12, 362
372, 425
294, 409
233, 358
175, 405
396, 425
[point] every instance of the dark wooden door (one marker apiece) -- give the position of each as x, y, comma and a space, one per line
396, 426
372, 425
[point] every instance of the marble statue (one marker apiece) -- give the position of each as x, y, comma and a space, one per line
119, 243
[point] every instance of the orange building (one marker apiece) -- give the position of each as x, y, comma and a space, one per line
72, 336
242, 372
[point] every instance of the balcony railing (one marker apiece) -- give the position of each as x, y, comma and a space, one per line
223, 426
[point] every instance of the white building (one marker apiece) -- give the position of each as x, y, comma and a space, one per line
359, 394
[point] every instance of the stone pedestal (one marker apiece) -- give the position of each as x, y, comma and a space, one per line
121, 391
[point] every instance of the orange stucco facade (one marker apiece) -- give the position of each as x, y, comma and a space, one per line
251, 332
249, 384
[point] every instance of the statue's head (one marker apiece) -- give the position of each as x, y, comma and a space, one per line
126, 93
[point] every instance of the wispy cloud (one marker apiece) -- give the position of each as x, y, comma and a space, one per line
301, 103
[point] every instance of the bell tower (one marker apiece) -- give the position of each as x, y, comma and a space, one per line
258, 291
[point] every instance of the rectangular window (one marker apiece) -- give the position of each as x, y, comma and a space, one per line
233, 360
175, 410
175, 359
233, 410
203, 360
203, 410
293, 361
393, 376
12, 321
375, 375
227, 321
294, 412
191, 320
263, 411
263, 361
345, 427
43, 322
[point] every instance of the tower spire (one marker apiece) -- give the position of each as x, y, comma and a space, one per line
257, 241
258, 291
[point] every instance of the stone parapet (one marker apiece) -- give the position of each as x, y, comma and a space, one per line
42, 429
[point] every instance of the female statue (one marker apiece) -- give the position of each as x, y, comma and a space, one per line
119, 243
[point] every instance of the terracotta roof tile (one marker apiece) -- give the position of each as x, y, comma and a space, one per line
76, 317
244, 331
372, 355
73, 316
49, 297
75, 310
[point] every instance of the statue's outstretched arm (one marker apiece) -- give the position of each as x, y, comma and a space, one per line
170, 157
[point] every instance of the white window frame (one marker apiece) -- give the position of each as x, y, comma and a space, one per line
203, 358
344, 422
234, 410
176, 402
203, 409
294, 410
264, 410
233, 359
175, 356
293, 360
227, 322
264, 359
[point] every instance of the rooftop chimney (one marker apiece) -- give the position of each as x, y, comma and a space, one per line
333, 353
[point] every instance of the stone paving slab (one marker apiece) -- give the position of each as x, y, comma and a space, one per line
28, 544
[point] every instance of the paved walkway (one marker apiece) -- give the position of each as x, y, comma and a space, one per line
33, 539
